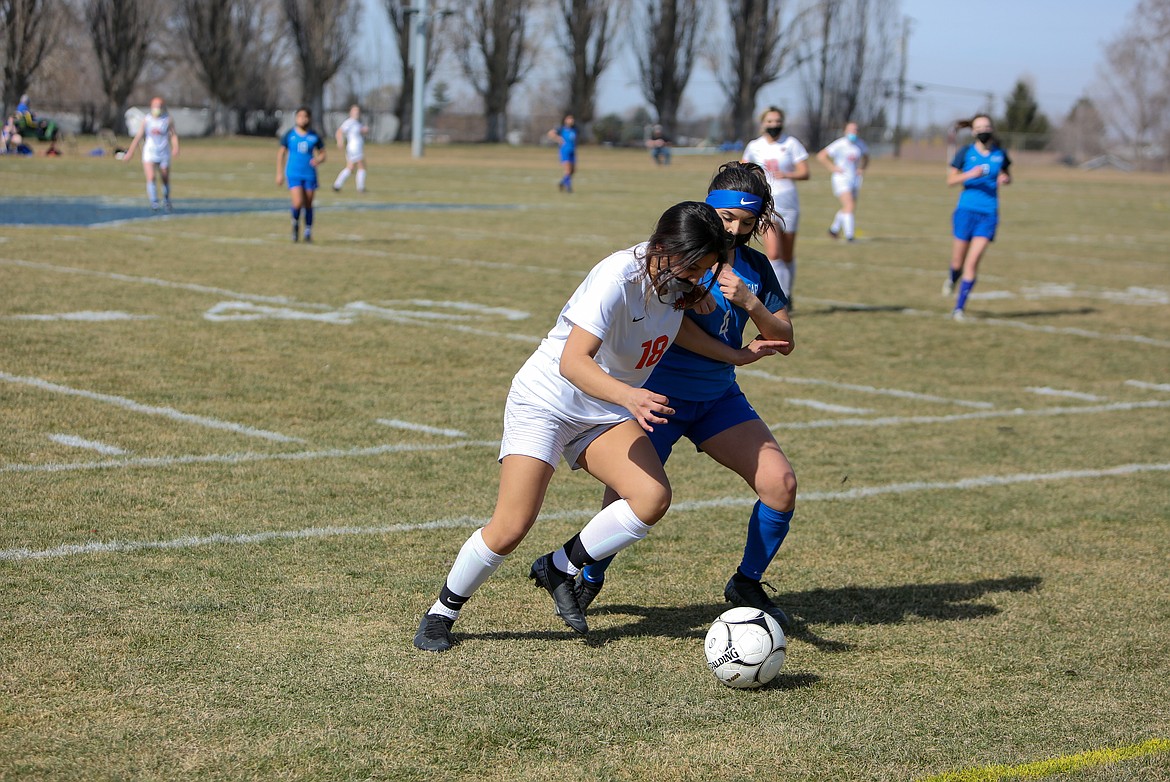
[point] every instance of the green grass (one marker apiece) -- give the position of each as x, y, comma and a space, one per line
949, 627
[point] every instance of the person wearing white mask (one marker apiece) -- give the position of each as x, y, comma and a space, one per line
846, 158
160, 143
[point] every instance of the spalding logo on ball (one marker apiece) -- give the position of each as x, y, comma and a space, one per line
745, 648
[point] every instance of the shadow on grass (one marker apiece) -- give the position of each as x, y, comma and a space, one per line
1047, 313
853, 605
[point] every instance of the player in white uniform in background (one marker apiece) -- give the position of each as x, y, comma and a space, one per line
351, 137
580, 396
786, 162
160, 143
846, 158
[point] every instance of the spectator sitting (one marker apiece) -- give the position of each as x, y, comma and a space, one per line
11, 142
659, 146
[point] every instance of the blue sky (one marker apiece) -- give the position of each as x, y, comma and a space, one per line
958, 51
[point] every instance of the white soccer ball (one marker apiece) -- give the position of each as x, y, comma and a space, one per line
745, 648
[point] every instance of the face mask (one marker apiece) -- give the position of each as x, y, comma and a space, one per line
983, 138
156, 112
851, 136
774, 132
740, 240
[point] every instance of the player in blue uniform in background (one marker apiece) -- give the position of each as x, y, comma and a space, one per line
301, 151
566, 136
981, 167
697, 375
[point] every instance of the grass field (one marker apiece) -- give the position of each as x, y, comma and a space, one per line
230, 489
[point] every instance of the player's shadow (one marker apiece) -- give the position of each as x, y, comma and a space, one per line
834, 309
1046, 313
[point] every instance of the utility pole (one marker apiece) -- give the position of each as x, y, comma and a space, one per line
419, 56
904, 47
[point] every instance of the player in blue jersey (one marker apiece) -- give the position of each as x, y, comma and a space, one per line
697, 375
981, 167
566, 137
302, 151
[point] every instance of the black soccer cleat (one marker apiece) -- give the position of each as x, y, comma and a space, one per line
434, 633
562, 588
586, 591
743, 591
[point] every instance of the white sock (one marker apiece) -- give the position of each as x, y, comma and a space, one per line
836, 226
474, 565
361, 180
783, 275
152, 191
614, 528
847, 221
344, 175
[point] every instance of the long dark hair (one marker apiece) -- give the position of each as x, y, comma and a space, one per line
747, 178
686, 234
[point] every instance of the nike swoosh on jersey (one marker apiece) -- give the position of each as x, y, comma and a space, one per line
638, 319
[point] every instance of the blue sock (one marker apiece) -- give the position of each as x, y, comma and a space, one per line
308, 217
767, 529
595, 571
956, 274
296, 215
964, 291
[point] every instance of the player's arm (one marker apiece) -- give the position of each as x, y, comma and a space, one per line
281, 161
772, 325
340, 139
1005, 171
692, 337
318, 155
174, 139
134, 142
823, 157
579, 366
957, 176
799, 171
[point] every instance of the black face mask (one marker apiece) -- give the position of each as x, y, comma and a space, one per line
741, 240
983, 138
774, 132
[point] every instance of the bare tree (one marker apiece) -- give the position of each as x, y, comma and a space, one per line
587, 40
29, 29
845, 59
322, 33
761, 51
122, 32
1135, 94
236, 47
1082, 134
670, 34
495, 55
403, 25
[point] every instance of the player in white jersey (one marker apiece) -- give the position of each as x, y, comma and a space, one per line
786, 162
580, 396
846, 158
160, 143
351, 136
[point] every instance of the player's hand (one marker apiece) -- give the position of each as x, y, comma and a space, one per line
705, 305
761, 348
647, 407
733, 288
280, 179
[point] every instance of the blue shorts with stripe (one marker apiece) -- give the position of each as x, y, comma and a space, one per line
700, 421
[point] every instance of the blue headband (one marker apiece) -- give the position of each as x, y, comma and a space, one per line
735, 199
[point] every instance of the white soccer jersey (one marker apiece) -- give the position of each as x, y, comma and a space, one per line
774, 156
846, 155
354, 140
616, 304
156, 139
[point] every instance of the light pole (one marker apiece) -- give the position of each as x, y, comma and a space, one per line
419, 56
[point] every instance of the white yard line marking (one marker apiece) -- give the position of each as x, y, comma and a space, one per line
1148, 386
247, 311
894, 392
82, 316
395, 423
138, 407
833, 423
828, 408
1046, 391
73, 441
861, 493
243, 458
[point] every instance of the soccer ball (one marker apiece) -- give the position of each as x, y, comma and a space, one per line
745, 648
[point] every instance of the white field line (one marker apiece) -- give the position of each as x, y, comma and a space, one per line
138, 407
1046, 391
396, 424
894, 392
828, 408
94, 317
1148, 386
833, 423
243, 458
73, 441
861, 493
1083, 333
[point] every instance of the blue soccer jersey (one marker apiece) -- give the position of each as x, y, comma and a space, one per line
685, 375
981, 194
300, 148
568, 140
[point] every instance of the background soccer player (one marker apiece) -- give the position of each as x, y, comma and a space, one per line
301, 152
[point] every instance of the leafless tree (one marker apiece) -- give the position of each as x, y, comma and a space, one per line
1082, 134
762, 50
670, 35
235, 45
495, 54
587, 41
322, 33
122, 32
403, 25
1135, 93
29, 31
846, 56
